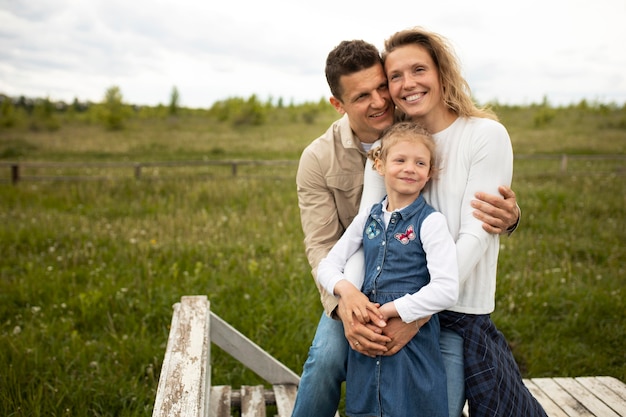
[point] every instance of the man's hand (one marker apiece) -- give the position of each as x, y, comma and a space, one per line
498, 213
400, 333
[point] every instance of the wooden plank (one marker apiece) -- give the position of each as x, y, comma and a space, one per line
600, 396
550, 407
569, 404
185, 374
220, 401
615, 384
610, 390
249, 353
252, 401
585, 397
285, 398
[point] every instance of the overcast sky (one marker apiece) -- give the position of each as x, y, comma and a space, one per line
515, 52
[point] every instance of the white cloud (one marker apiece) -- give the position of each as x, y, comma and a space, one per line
511, 52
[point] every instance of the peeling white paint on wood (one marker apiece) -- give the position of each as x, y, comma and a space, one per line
186, 372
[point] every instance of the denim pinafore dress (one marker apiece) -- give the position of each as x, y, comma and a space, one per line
412, 382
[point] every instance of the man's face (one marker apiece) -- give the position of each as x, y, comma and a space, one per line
367, 102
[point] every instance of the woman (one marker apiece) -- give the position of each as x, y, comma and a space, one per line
475, 152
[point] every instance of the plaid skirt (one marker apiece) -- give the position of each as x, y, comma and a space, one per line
493, 382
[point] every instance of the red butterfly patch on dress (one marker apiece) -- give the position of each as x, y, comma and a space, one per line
407, 236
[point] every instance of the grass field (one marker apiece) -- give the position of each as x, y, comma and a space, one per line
89, 270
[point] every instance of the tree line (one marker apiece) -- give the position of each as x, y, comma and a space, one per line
113, 113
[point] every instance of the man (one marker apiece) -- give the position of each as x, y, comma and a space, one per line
330, 184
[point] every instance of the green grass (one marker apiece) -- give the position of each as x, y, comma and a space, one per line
562, 276
89, 270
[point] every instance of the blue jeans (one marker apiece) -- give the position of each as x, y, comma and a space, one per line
324, 371
451, 344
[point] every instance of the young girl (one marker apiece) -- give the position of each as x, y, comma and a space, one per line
411, 273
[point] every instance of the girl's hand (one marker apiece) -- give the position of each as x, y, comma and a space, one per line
389, 311
356, 305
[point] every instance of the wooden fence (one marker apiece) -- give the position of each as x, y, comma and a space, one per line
80, 171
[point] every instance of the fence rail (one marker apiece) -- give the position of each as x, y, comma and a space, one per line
25, 171
67, 171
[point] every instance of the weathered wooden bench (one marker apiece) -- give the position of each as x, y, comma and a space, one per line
185, 389
185, 382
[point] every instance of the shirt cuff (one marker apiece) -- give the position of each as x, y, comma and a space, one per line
512, 228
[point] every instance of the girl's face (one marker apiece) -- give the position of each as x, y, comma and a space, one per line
414, 85
406, 170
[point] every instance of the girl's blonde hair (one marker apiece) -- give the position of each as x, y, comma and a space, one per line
405, 131
456, 92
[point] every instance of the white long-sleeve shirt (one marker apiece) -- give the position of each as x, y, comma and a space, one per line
474, 154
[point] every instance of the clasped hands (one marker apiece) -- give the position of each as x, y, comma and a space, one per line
370, 328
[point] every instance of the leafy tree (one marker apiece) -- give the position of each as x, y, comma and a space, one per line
26, 104
252, 113
7, 112
174, 102
545, 114
43, 116
113, 112
240, 112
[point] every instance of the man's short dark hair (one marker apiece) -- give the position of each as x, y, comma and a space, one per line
347, 58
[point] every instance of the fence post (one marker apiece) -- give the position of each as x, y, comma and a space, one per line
234, 169
137, 171
15, 173
563, 163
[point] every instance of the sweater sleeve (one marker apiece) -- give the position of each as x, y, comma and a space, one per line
443, 289
331, 268
491, 165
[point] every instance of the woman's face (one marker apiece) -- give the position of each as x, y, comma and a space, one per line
414, 85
